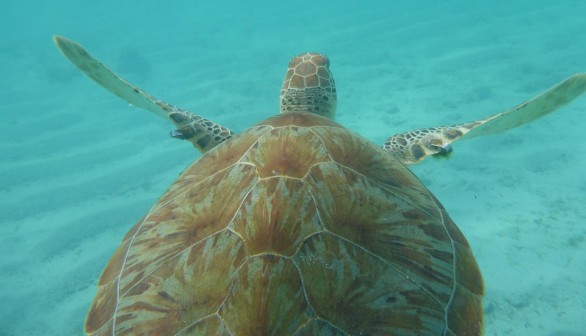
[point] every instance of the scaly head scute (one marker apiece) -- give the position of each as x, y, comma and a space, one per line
309, 86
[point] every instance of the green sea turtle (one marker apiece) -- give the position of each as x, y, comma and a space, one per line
297, 225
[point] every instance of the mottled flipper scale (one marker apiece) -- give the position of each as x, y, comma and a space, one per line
202, 132
413, 147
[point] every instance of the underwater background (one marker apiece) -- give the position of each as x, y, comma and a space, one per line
79, 166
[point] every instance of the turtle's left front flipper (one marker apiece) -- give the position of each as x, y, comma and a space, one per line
204, 134
413, 147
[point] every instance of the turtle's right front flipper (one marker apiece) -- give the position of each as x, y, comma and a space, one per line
203, 133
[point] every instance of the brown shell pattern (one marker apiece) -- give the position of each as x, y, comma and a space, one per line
297, 226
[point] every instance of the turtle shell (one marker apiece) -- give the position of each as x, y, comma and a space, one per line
297, 226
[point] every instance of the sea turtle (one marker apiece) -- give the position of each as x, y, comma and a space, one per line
297, 225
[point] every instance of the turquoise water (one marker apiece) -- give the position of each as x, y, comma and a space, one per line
78, 166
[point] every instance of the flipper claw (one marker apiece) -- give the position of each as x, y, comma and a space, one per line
176, 134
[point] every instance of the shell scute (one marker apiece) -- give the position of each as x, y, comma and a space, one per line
99, 318
267, 298
353, 151
284, 217
212, 325
203, 209
362, 212
185, 289
361, 294
215, 160
286, 151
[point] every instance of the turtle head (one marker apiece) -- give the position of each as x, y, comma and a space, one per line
309, 86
